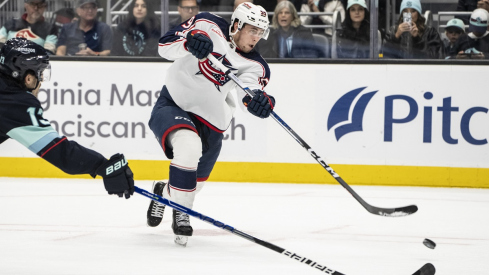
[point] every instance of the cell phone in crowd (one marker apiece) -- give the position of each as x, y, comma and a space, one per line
407, 17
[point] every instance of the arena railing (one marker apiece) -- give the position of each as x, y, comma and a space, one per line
114, 16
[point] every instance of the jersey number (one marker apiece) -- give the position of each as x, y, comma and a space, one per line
36, 116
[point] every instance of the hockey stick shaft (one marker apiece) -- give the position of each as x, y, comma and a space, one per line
392, 212
427, 269
237, 232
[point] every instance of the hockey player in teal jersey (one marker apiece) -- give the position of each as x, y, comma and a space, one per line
23, 66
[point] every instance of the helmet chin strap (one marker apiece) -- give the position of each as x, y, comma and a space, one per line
37, 85
231, 37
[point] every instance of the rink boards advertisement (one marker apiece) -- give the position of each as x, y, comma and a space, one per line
374, 124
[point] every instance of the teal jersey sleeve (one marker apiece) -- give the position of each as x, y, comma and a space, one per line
21, 118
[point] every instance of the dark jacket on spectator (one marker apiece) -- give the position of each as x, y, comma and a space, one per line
468, 41
466, 5
449, 47
427, 45
352, 43
136, 40
98, 38
303, 45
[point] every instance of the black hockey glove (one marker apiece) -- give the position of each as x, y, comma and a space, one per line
199, 43
261, 105
118, 177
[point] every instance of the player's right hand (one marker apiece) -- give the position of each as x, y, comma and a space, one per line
199, 43
118, 177
260, 105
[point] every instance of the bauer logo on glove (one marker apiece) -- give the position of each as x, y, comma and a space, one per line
116, 166
117, 176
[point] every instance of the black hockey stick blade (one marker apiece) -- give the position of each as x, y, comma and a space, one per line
394, 212
381, 211
427, 269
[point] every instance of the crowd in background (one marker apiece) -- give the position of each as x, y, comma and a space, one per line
79, 32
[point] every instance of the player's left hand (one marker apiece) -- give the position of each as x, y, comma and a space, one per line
199, 43
118, 177
261, 105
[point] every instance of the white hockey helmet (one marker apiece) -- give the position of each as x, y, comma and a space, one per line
248, 13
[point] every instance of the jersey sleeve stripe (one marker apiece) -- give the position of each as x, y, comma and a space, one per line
43, 142
170, 37
63, 139
33, 137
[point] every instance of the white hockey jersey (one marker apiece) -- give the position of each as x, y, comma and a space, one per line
199, 87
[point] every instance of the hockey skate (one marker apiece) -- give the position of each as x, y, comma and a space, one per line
156, 209
181, 227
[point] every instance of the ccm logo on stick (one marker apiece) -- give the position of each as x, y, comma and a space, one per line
116, 166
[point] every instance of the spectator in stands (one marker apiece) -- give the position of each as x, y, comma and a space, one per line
139, 34
475, 44
187, 9
455, 27
32, 26
63, 16
321, 6
288, 38
86, 36
466, 5
413, 38
354, 37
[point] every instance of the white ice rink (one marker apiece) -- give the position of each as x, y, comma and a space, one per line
66, 226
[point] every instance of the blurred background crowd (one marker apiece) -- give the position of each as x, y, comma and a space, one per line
343, 29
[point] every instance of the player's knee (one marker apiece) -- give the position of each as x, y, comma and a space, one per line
187, 147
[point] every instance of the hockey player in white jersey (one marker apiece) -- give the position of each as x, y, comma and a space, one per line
195, 106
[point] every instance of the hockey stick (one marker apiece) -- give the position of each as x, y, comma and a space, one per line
427, 269
389, 212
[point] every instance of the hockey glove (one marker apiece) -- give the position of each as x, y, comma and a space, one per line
199, 43
261, 105
118, 177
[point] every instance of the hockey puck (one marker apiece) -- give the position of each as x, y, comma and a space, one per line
429, 243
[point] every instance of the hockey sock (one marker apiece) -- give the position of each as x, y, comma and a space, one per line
182, 186
187, 150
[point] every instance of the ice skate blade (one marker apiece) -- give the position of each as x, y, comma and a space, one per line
181, 240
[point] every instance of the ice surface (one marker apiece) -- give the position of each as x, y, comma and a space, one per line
70, 226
